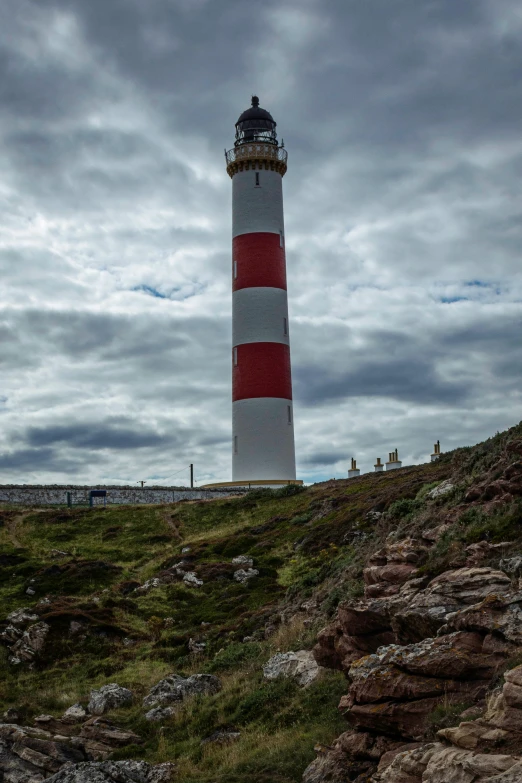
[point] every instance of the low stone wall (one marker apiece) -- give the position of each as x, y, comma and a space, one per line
48, 495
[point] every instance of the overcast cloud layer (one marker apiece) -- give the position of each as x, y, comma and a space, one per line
403, 219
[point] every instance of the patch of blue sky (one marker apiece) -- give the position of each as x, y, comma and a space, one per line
176, 294
147, 289
452, 299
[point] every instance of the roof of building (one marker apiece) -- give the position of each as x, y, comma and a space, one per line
256, 113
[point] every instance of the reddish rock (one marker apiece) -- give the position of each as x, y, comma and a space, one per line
394, 691
500, 614
428, 609
394, 573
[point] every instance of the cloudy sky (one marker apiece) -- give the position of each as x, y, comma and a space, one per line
402, 120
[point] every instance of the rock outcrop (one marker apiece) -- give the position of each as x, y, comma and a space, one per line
393, 691
116, 772
109, 697
173, 690
300, 666
31, 754
472, 752
417, 650
415, 613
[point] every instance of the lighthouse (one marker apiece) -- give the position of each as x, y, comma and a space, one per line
263, 451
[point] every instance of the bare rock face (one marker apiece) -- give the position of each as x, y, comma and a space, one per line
353, 754
428, 610
115, 772
497, 613
109, 697
29, 755
174, 689
415, 648
359, 629
474, 751
415, 613
394, 691
392, 566
300, 665
96, 738
435, 763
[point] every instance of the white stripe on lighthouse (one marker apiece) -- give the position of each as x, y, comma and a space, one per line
260, 315
257, 208
263, 438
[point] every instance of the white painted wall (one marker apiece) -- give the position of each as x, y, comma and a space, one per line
42, 495
257, 208
258, 316
265, 440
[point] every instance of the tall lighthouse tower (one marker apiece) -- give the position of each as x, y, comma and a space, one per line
262, 411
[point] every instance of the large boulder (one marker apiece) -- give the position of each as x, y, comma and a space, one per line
174, 689
109, 697
301, 666
243, 575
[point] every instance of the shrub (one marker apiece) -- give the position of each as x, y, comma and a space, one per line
446, 714
288, 490
233, 655
402, 508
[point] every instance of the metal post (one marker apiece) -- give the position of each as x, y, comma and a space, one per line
191, 475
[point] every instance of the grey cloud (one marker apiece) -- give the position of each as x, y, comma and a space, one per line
46, 460
324, 458
410, 380
96, 436
402, 128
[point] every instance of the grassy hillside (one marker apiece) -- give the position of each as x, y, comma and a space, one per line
309, 547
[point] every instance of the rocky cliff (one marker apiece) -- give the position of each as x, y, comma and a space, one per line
437, 638
359, 630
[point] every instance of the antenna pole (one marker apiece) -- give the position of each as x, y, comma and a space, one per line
191, 475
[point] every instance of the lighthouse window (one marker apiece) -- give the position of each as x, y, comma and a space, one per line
281, 239
257, 179
235, 270
285, 326
235, 357
289, 411
235, 444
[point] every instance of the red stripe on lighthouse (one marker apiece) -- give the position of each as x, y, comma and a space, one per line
258, 261
262, 370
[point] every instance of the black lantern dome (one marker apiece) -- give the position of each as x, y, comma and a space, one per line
256, 125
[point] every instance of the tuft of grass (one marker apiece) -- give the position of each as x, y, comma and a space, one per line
446, 715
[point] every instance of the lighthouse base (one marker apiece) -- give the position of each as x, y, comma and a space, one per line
254, 484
